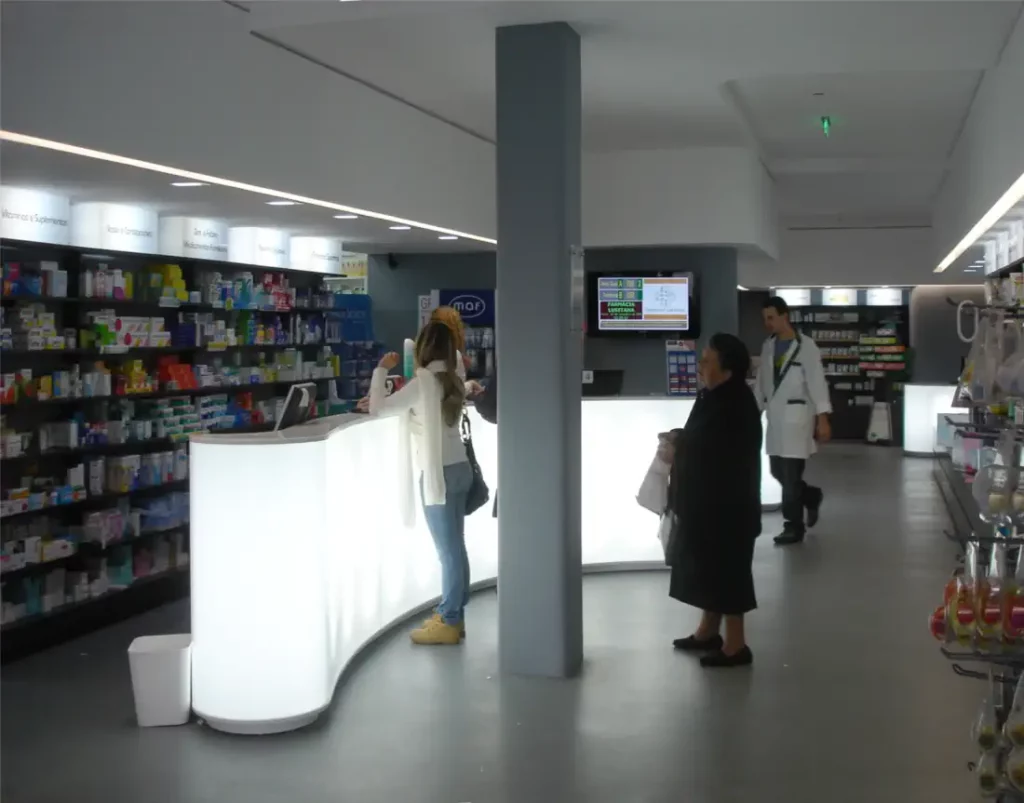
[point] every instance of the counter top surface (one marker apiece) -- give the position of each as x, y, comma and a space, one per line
321, 428
316, 430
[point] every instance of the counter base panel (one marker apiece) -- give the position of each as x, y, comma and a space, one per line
262, 727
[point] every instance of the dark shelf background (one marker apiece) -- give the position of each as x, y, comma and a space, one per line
39, 631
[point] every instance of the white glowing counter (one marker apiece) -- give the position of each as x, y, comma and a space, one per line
299, 557
922, 406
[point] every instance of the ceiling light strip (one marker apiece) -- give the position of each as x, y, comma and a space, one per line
75, 150
1009, 199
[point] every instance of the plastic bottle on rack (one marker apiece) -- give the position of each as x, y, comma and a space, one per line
960, 600
985, 732
1015, 768
1013, 730
987, 774
991, 595
1013, 603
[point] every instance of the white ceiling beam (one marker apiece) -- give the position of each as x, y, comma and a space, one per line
841, 164
265, 17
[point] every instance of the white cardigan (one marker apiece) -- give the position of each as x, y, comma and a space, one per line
422, 430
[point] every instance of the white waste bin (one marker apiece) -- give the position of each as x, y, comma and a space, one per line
162, 679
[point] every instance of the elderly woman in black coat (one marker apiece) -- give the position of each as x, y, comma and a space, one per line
715, 493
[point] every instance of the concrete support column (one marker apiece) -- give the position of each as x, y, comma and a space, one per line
539, 340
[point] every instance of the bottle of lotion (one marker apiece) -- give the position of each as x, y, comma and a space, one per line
408, 358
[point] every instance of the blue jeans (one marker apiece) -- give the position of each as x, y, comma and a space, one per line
447, 524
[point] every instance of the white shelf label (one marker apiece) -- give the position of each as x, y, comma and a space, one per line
33, 215
794, 296
193, 237
839, 297
885, 296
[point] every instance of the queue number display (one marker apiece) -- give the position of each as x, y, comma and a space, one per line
643, 303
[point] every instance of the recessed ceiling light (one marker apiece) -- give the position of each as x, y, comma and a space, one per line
447, 237
89, 153
187, 184
399, 228
283, 203
741, 287
346, 217
970, 270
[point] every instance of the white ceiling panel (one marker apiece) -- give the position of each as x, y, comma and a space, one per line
85, 179
894, 114
897, 78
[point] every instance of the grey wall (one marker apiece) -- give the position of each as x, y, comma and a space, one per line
938, 351
752, 331
396, 291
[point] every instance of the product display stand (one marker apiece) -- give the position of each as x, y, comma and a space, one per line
982, 620
864, 354
110, 362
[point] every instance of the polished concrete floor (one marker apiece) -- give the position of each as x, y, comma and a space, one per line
849, 700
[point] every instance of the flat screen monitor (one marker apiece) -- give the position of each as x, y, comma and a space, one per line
646, 304
297, 405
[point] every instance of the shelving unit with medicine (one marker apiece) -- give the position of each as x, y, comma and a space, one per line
864, 351
108, 363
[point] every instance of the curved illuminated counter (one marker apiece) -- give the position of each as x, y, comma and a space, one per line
299, 557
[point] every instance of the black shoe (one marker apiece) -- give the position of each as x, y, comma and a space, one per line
788, 536
814, 508
742, 658
692, 644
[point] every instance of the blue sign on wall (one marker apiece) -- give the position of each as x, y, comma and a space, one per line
475, 306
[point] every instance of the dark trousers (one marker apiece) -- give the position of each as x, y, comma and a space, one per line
796, 494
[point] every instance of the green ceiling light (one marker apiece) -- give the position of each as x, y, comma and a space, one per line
826, 126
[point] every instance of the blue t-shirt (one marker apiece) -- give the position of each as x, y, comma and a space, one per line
781, 349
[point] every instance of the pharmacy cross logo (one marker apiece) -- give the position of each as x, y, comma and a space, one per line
469, 306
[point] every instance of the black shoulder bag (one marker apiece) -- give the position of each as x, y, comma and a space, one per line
479, 493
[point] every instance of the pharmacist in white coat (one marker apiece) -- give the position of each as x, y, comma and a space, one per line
791, 387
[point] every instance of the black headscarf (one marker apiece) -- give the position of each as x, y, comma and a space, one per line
732, 354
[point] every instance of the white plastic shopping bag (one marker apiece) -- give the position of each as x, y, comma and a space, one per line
653, 493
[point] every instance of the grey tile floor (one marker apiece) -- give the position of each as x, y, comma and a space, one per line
849, 700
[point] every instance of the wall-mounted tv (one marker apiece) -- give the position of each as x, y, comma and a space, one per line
645, 304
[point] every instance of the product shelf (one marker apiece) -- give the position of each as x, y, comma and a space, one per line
105, 498
88, 549
136, 351
166, 394
93, 449
27, 621
313, 307
156, 306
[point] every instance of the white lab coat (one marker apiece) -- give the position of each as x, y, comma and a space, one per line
793, 405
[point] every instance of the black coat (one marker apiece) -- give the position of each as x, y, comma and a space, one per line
715, 492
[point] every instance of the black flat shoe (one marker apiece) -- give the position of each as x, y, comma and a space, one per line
787, 537
742, 658
693, 644
814, 509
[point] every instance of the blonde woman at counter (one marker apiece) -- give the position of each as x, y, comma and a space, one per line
430, 406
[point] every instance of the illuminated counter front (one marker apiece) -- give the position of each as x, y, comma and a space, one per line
922, 406
299, 557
